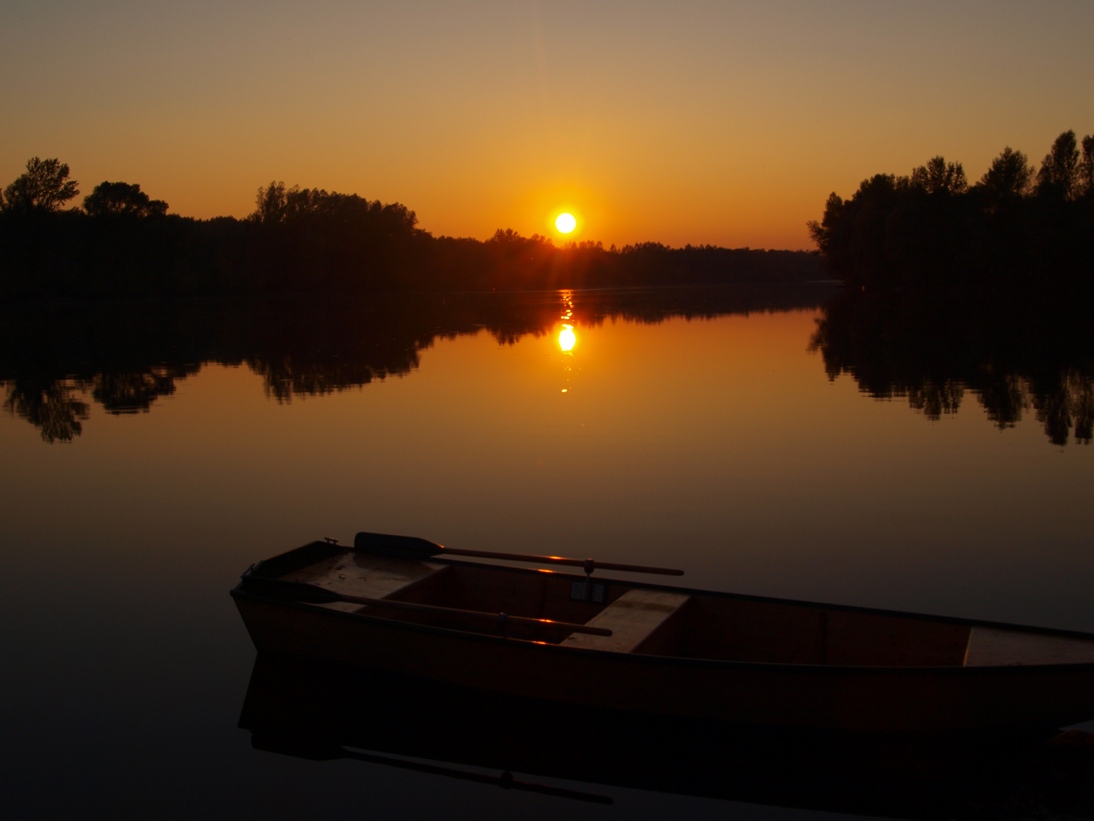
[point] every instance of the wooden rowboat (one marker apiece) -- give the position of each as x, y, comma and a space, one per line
400, 605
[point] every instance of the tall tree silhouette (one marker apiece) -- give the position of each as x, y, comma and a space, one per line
1059, 174
44, 186
1010, 175
1086, 167
940, 177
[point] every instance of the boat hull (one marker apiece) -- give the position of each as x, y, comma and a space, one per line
800, 696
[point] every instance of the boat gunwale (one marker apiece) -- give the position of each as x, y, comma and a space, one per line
240, 591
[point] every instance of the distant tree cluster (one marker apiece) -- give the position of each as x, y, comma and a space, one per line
121, 199
311, 240
510, 261
123, 243
1016, 227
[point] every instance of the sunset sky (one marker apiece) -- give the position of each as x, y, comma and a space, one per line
687, 122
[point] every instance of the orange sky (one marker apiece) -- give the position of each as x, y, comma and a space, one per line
692, 122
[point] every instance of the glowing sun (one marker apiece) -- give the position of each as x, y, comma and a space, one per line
565, 222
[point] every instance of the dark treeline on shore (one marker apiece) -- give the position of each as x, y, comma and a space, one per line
122, 243
1017, 227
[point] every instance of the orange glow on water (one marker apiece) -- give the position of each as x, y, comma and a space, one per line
567, 338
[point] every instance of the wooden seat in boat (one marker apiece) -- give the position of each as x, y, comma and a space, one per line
361, 574
1000, 647
632, 618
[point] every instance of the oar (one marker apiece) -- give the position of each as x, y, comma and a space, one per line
411, 547
506, 780
313, 594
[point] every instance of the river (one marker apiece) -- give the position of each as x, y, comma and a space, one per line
757, 441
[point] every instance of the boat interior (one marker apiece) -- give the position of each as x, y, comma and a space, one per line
655, 620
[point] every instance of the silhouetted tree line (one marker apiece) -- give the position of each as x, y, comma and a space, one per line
1016, 227
1014, 356
58, 359
122, 243
511, 261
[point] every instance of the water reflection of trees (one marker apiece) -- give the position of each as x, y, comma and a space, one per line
1016, 355
48, 404
57, 362
135, 391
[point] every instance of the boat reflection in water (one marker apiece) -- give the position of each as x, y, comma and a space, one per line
320, 712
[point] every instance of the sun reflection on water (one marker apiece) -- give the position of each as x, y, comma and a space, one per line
567, 337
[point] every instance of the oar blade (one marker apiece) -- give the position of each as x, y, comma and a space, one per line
385, 544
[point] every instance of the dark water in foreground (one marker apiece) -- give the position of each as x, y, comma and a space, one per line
148, 461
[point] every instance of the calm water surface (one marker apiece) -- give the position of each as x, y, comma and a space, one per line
709, 437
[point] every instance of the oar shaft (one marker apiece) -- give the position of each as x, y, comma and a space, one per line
316, 594
499, 618
587, 563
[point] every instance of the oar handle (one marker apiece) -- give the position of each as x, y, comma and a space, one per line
417, 548
303, 591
